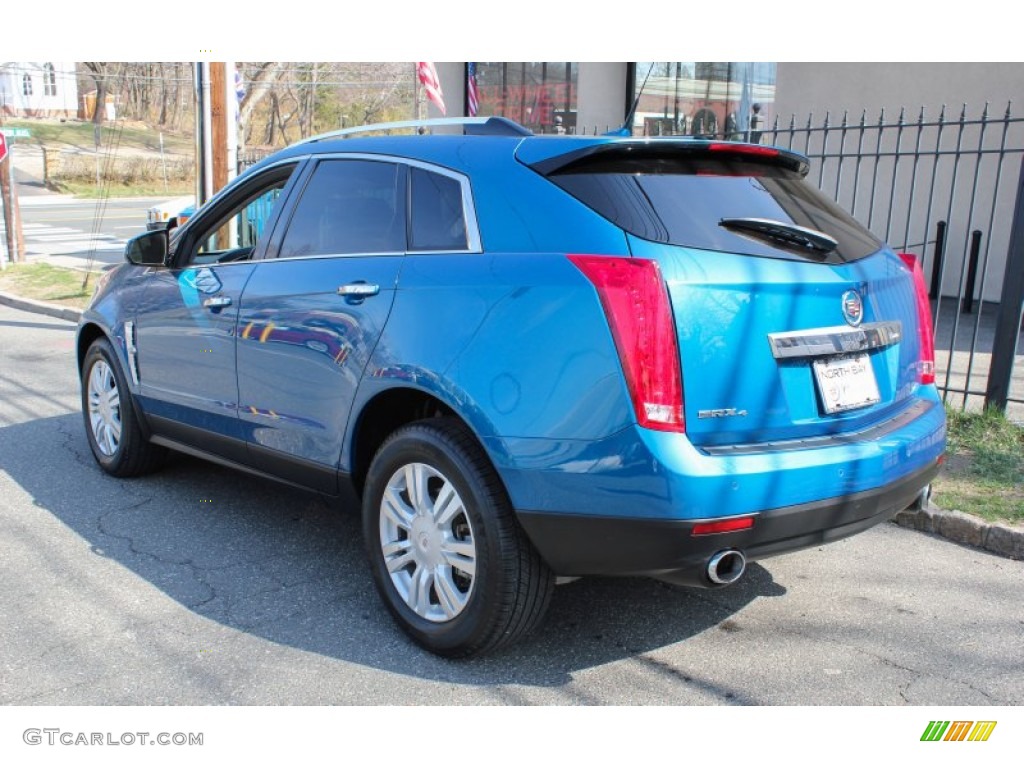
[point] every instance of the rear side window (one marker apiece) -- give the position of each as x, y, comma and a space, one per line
438, 217
684, 201
347, 207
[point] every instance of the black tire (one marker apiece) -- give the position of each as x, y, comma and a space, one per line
504, 592
126, 453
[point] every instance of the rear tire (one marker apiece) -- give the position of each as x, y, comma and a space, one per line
115, 437
447, 554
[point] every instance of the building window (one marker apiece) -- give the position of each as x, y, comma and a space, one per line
730, 100
49, 80
541, 95
26, 85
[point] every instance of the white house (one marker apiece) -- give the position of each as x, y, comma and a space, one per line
38, 89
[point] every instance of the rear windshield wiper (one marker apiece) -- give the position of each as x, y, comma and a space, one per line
789, 234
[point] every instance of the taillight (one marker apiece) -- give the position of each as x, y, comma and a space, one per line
635, 301
926, 363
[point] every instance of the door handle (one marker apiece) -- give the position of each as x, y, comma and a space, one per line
358, 290
217, 302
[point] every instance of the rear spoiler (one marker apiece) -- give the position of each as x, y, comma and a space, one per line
662, 152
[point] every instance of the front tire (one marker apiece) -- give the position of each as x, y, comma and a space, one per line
447, 554
115, 437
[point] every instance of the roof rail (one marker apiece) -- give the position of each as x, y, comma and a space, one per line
472, 126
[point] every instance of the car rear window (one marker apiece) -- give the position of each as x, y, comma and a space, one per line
683, 200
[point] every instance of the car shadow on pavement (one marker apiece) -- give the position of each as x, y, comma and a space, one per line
288, 566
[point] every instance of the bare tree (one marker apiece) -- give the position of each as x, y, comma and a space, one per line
104, 75
261, 83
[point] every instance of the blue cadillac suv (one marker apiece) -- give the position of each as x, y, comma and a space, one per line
528, 357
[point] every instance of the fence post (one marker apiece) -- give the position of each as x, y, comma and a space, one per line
967, 303
1011, 305
937, 256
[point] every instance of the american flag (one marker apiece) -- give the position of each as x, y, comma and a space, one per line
472, 94
428, 76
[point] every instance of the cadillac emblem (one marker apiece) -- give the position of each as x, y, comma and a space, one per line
853, 308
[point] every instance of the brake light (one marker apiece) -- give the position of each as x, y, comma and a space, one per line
926, 363
723, 526
744, 149
636, 303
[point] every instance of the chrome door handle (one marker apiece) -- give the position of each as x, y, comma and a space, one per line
217, 302
359, 290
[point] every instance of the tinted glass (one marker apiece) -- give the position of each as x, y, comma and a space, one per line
235, 235
683, 203
348, 206
438, 220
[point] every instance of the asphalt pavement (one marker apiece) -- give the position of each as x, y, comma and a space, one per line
200, 585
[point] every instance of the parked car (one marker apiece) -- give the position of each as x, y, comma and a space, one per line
528, 357
173, 212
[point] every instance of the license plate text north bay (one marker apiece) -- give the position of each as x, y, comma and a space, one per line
846, 382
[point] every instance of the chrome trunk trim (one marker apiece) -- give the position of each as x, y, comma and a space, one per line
835, 340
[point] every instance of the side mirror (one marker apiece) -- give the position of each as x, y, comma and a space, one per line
148, 249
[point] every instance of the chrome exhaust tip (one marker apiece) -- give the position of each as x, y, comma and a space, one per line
726, 567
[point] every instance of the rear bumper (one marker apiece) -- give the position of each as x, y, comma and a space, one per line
587, 545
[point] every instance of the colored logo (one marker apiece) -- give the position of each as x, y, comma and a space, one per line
853, 308
958, 730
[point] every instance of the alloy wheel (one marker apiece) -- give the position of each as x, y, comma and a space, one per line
427, 541
104, 408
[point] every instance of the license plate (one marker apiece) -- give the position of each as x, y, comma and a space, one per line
846, 382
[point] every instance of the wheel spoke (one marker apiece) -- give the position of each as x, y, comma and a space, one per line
447, 506
398, 555
396, 510
96, 378
419, 590
416, 487
451, 599
103, 438
461, 555
113, 398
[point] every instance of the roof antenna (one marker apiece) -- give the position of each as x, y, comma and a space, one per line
627, 126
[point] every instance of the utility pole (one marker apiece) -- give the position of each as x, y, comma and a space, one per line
216, 128
218, 124
12, 217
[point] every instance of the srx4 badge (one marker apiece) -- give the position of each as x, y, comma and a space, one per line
719, 413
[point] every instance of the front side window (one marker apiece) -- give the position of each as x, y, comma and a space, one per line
348, 207
234, 235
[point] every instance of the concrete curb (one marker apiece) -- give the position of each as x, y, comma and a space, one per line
997, 538
41, 307
955, 526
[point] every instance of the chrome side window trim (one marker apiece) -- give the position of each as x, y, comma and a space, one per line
473, 241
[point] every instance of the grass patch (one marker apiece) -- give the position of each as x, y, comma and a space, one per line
984, 472
89, 190
80, 134
44, 282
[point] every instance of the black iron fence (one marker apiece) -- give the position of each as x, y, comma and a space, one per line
951, 190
